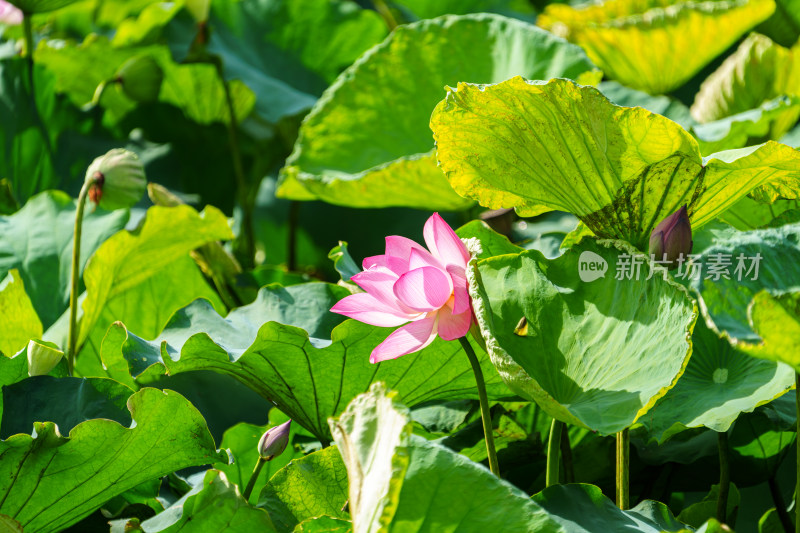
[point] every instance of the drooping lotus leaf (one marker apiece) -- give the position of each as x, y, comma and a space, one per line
242, 442
37, 241
718, 384
214, 505
142, 277
395, 476
99, 460
366, 142
757, 72
747, 263
293, 351
656, 45
314, 485
563, 146
590, 349
19, 322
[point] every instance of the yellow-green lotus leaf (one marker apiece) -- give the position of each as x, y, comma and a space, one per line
654, 45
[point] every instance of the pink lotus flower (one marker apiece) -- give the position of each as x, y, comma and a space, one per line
425, 290
9, 14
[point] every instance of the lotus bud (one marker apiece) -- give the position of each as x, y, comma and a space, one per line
274, 441
672, 238
117, 180
42, 357
140, 78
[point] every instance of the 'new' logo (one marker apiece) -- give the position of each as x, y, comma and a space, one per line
591, 266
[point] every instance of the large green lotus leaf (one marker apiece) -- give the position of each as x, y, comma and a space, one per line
293, 351
492, 243
64, 401
314, 485
37, 241
214, 505
426, 9
663, 105
366, 143
655, 45
757, 72
51, 481
750, 262
595, 353
719, 383
40, 6
749, 214
564, 146
580, 508
25, 160
19, 322
399, 482
242, 442
143, 277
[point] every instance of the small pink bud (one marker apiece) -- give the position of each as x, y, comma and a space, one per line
672, 238
274, 441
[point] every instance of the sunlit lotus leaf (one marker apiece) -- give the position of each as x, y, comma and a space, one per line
314, 485
366, 143
719, 383
99, 459
590, 349
293, 351
757, 72
527, 144
19, 322
655, 45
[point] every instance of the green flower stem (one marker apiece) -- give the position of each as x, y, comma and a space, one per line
248, 252
253, 477
623, 463
486, 416
797, 490
780, 505
72, 343
385, 13
553, 448
724, 477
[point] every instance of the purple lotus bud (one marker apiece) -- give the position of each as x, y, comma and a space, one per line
672, 238
274, 441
